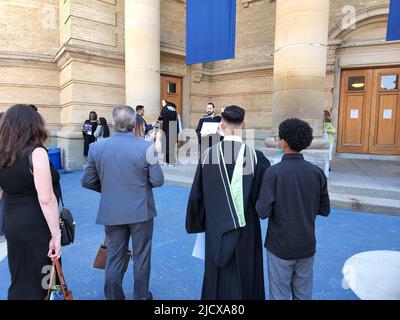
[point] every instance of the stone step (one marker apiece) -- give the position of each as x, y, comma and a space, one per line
364, 192
342, 197
365, 204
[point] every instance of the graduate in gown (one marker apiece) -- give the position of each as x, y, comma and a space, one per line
171, 126
222, 204
208, 141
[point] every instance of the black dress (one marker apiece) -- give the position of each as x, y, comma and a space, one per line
26, 231
90, 126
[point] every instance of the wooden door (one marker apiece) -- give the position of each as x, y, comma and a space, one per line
355, 111
385, 112
171, 90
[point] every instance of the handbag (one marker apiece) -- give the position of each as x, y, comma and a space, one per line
101, 258
67, 223
58, 292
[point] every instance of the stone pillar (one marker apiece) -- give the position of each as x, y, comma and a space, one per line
301, 39
142, 55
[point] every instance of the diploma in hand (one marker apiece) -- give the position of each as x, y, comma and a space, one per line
199, 246
209, 128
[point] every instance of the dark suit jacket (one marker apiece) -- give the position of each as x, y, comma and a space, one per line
147, 127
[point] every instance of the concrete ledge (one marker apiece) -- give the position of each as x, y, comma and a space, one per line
366, 204
355, 156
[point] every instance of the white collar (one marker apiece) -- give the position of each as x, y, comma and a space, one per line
233, 138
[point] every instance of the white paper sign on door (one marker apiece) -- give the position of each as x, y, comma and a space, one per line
354, 114
387, 114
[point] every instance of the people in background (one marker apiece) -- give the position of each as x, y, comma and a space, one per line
31, 197
102, 130
127, 206
88, 130
154, 136
140, 115
222, 204
293, 193
330, 130
207, 140
171, 126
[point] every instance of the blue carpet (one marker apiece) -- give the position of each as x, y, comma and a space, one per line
177, 275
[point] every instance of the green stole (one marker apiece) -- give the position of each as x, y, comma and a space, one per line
236, 185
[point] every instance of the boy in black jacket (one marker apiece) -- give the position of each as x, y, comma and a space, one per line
292, 194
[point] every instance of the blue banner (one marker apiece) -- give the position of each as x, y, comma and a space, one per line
210, 30
393, 31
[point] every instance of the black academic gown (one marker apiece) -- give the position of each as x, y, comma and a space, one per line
170, 127
87, 138
233, 254
210, 140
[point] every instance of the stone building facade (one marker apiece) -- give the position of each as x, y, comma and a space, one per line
68, 58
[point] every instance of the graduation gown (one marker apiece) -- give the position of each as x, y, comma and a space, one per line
170, 126
88, 138
233, 245
208, 141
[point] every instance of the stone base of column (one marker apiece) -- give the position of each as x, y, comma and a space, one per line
317, 153
71, 144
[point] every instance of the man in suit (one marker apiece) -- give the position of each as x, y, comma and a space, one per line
124, 169
140, 114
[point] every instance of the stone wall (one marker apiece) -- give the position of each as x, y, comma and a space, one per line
67, 56
29, 39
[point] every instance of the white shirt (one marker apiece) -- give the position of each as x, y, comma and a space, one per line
233, 138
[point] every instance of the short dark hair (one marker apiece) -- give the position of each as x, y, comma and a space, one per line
93, 112
211, 104
297, 133
139, 107
233, 114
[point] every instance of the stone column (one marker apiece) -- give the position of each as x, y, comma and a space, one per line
142, 55
301, 39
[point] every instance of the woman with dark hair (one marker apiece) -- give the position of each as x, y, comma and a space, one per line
154, 136
88, 130
102, 130
31, 195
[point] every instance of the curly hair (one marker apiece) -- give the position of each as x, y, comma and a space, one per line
297, 133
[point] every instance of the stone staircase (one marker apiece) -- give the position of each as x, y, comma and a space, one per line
347, 190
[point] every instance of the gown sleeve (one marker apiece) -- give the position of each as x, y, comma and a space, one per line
262, 165
195, 213
162, 116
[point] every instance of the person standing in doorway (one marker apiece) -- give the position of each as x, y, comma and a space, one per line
293, 193
88, 130
171, 126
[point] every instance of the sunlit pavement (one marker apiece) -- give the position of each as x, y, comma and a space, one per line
177, 275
